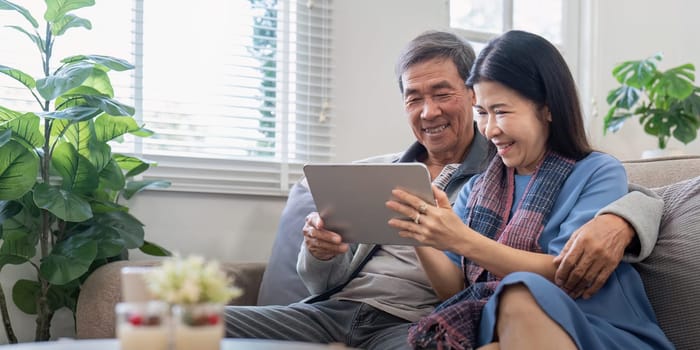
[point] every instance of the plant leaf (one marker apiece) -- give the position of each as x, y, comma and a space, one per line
132, 165
65, 205
16, 74
153, 249
134, 187
674, 85
6, 5
113, 63
78, 113
127, 227
19, 168
26, 127
686, 129
5, 136
79, 175
55, 9
69, 259
66, 78
109, 243
108, 127
25, 293
108, 105
637, 74
9, 209
69, 21
111, 176
18, 251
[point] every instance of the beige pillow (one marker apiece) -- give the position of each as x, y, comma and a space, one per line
671, 274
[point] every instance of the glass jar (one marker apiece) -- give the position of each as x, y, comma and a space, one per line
198, 326
143, 325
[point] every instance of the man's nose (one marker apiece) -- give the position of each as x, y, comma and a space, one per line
430, 109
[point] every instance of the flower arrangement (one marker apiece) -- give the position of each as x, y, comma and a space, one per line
191, 280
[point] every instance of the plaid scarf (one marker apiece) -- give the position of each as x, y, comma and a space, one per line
454, 323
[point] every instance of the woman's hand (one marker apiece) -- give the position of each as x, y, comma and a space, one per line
435, 226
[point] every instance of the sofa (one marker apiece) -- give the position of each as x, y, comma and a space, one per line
671, 274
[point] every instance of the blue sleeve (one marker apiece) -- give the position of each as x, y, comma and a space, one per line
460, 208
596, 181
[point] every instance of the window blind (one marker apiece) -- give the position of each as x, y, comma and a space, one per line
238, 92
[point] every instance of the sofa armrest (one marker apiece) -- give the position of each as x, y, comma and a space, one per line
101, 291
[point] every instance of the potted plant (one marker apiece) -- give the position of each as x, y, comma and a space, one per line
667, 103
60, 182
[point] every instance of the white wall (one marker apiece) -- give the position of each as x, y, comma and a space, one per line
631, 30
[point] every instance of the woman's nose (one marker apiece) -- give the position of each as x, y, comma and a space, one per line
491, 128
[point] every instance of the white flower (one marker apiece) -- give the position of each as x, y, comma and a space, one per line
191, 281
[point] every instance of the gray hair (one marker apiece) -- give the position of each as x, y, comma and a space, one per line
436, 44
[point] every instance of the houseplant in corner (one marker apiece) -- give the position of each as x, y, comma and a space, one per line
60, 183
667, 103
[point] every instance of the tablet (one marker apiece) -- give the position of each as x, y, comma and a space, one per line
351, 197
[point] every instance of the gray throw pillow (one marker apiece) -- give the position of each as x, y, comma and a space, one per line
281, 284
671, 274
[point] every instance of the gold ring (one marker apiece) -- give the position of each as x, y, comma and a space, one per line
417, 219
423, 207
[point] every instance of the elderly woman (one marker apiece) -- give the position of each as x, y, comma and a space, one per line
509, 223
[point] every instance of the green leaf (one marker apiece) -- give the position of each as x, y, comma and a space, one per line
109, 243
153, 249
78, 113
79, 175
27, 128
5, 136
6, 5
134, 187
108, 105
69, 21
674, 85
64, 296
111, 177
637, 74
16, 74
9, 209
69, 259
65, 205
55, 9
18, 251
19, 168
624, 97
132, 165
127, 227
113, 63
108, 127
66, 78
686, 129
25, 293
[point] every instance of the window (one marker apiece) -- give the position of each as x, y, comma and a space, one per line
236, 91
556, 20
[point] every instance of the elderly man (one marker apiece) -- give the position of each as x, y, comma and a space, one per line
366, 296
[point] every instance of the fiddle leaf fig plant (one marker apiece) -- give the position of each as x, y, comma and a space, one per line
60, 182
667, 103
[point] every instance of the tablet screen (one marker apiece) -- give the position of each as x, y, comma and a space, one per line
350, 197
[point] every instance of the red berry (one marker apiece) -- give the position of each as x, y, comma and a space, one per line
213, 319
135, 319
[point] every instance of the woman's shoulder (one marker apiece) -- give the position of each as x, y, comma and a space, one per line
598, 160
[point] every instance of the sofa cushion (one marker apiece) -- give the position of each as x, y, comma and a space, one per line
281, 285
671, 274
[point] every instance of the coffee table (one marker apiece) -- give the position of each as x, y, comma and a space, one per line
226, 344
